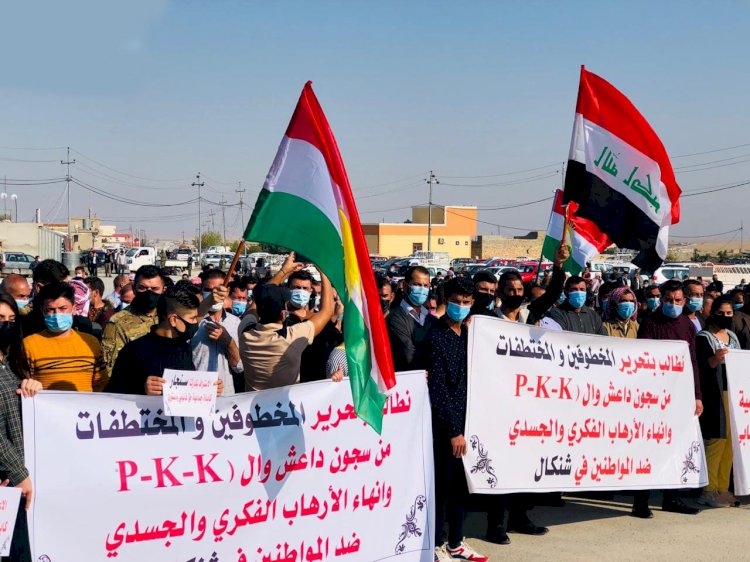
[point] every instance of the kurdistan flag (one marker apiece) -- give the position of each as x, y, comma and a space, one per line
619, 173
307, 205
584, 239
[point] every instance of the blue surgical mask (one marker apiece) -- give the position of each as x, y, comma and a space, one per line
625, 309
418, 294
577, 298
695, 304
456, 312
561, 299
671, 310
300, 298
59, 322
738, 305
652, 303
20, 303
206, 294
239, 307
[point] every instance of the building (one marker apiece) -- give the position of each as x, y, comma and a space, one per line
492, 246
89, 232
453, 229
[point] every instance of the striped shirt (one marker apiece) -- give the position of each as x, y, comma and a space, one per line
71, 361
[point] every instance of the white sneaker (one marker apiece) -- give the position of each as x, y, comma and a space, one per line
465, 552
441, 554
710, 499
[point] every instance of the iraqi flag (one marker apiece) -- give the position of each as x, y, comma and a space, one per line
584, 239
307, 205
619, 173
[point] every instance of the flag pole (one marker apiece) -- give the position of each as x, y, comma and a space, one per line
541, 254
237, 254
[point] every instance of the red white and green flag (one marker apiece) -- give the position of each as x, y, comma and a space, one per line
619, 173
584, 239
307, 205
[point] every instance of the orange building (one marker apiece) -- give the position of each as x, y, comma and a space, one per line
453, 229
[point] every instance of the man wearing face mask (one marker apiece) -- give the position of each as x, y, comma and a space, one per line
141, 363
649, 301
447, 363
573, 315
271, 350
18, 287
135, 321
694, 303
485, 288
215, 345
669, 323
60, 357
409, 324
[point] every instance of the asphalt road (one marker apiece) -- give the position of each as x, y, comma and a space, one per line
603, 531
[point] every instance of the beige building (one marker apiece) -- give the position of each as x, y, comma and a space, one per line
492, 246
453, 229
87, 232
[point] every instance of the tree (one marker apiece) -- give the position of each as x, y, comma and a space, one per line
208, 238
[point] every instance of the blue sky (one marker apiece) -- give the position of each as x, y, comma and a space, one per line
161, 90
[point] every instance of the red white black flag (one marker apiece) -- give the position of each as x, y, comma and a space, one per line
619, 173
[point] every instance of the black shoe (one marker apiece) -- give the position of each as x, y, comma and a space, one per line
642, 513
526, 527
679, 506
497, 536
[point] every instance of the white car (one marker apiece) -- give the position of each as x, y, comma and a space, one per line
670, 272
499, 270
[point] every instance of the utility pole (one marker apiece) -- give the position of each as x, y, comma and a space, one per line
223, 220
213, 224
199, 184
67, 162
432, 180
240, 190
742, 235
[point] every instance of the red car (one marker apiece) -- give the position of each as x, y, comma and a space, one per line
529, 270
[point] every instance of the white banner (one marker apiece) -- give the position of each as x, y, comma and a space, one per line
738, 387
559, 411
285, 475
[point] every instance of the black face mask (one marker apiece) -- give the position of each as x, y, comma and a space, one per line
512, 302
482, 300
385, 304
189, 332
146, 300
722, 322
7, 334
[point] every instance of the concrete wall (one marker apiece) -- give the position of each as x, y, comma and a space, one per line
486, 247
30, 238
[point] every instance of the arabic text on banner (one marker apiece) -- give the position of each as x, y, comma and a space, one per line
189, 393
738, 387
573, 412
286, 474
9, 498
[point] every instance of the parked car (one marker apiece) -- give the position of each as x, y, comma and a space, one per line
15, 262
670, 272
530, 270
499, 270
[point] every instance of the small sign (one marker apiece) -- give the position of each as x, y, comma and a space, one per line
189, 393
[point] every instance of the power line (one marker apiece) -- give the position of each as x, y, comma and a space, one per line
711, 151
509, 183
504, 173
708, 235
157, 180
733, 186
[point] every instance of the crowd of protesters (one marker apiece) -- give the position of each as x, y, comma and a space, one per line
62, 332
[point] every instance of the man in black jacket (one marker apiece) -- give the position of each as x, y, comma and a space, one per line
409, 324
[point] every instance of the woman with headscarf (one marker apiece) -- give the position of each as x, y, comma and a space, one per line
711, 347
622, 314
14, 380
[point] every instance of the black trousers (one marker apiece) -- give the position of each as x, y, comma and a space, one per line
451, 493
20, 549
515, 504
